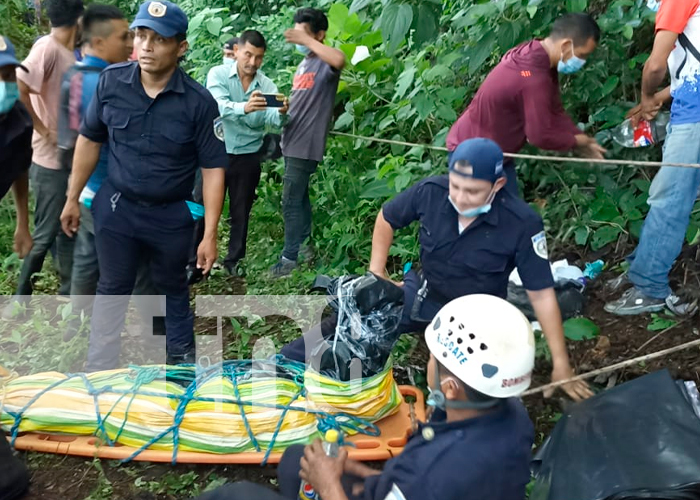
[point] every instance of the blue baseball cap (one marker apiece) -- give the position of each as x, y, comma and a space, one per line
483, 156
7, 54
163, 17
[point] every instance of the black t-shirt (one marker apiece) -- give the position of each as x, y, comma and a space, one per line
15, 145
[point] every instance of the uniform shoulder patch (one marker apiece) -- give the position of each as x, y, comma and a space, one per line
219, 128
539, 243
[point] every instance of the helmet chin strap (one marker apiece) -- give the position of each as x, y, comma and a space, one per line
437, 398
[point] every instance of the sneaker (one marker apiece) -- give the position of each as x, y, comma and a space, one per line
236, 270
634, 302
283, 268
194, 275
306, 253
619, 283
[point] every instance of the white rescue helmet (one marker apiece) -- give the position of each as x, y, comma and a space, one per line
486, 342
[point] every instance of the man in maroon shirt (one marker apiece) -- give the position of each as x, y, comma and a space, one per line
519, 101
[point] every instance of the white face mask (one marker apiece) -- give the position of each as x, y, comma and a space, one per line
654, 5
228, 61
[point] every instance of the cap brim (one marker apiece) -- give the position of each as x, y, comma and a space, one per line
156, 26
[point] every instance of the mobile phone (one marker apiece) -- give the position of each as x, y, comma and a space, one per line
274, 100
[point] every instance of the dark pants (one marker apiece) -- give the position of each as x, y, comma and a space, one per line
124, 232
86, 274
287, 478
49, 188
242, 177
301, 348
296, 205
198, 233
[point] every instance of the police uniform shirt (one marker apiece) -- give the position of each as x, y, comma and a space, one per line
486, 457
15, 145
481, 258
155, 145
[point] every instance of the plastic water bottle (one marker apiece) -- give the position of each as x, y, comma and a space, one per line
644, 134
331, 447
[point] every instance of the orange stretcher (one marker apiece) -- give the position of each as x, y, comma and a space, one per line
394, 432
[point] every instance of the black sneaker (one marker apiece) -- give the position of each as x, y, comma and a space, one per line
634, 302
236, 270
283, 268
14, 478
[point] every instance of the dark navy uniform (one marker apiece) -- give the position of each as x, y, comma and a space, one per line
155, 148
15, 146
479, 260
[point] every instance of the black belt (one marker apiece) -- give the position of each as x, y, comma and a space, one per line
149, 203
425, 292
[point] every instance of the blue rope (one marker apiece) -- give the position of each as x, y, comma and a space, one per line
233, 371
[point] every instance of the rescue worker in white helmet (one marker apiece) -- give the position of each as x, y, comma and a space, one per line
482, 352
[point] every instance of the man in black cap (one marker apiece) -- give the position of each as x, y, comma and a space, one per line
161, 126
15, 145
473, 234
229, 52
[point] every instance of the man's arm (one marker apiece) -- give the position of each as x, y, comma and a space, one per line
382, 238
23, 238
655, 72
39, 126
329, 55
85, 158
213, 187
217, 85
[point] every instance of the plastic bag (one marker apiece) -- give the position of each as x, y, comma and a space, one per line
638, 440
569, 296
369, 310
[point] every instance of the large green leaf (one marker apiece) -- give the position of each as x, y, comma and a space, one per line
214, 25
426, 23
404, 81
481, 52
377, 188
604, 235
395, 22
580, 329
359, 5
576, 5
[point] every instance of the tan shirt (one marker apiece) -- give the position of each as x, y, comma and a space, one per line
47, 62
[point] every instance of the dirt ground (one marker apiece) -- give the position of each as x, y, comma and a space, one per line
58, 477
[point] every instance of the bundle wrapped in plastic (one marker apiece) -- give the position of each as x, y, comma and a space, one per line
369, 311
234, 407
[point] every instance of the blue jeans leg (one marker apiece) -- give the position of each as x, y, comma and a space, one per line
671, 198
296, 205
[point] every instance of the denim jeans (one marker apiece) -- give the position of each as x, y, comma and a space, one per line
671, 198
49, 188
296, 205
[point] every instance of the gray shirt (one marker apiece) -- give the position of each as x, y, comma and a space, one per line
310, 109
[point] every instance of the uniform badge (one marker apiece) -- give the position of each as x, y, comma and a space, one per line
219, 128
157, 9
539, 243
3, 45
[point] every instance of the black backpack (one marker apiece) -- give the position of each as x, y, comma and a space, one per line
69, 116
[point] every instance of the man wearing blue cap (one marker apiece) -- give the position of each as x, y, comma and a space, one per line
161, 126
473, 234
15, 144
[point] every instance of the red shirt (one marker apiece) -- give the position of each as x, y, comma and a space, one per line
519, 101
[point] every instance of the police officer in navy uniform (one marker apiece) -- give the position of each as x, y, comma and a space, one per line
161, 126
473, 234
15, 144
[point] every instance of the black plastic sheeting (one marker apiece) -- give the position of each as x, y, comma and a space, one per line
569, 296
640, 440
369, 310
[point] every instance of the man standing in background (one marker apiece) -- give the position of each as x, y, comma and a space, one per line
40, 87
238, 90
229, 51
304, 138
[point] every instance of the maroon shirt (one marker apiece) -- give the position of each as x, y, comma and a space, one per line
519, 101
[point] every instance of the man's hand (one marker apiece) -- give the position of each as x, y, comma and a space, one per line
285, 106
298, 37
70, 218
322, 472
382, 274
23, 241
207, 254
256, 103
589, 148
650, 107
578, 390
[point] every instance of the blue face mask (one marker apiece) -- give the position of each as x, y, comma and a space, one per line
303, 49
228, 61
571, 66
9, 94
653, 5
473, 212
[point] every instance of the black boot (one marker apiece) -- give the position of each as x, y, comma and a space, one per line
14, 477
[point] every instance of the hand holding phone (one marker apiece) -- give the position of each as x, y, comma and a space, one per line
274, 100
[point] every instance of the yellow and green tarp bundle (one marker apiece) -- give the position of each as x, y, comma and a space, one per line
232, 407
